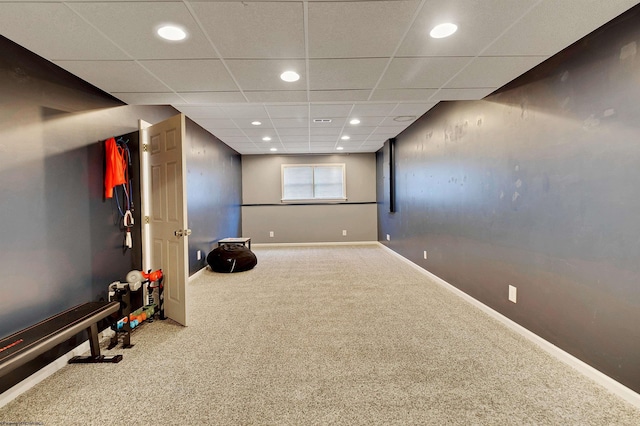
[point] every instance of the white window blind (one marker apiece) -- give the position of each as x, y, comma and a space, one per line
313, 182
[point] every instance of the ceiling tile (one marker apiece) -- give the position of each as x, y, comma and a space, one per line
400, 95
334, 131
324, 139
301, 143
133, 25
285, 96
412, 109
293, 131
478, 26
264, 75
340, 74
167, 98
186, 75
115, 76
365, 122
493, 71
354, 138
224, 133
261, 132
216, 123
202, 111
212, 97
288, 111
254, 29
339, 95
252, 112
330, 110
294, 139
421, 73
323, 144
360, 130
373, 109
373, 28
555, 25
290, 122
239, 140
32, 24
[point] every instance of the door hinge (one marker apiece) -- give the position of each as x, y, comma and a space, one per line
145, 147
147, 219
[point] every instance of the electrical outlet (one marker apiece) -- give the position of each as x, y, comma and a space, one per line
270, 234
513, 294
388, 237
425, 254
199, 255
344, 232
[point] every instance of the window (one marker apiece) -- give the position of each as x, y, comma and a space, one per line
313, 182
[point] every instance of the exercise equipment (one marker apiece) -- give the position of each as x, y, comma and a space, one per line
231, 258
151, 283
27, 344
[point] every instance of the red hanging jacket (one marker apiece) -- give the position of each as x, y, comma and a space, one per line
116, 165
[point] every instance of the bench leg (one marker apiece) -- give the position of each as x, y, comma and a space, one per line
93, 340
95, 350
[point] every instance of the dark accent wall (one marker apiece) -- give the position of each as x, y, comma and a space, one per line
60, 241
536, 187
214, 192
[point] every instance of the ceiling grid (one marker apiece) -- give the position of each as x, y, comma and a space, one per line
367, 59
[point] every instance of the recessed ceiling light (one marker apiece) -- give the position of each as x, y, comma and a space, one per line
266, 139
345, 138
172, 33
256, 123
290, 76
354, 121
273, 149
339, 148
443, 30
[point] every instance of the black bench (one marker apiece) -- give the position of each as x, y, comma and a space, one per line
27, 344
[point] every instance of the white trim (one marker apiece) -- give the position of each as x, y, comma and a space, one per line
145, 192
329, 243
198, 273
597, 376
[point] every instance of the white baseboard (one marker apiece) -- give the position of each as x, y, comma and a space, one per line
335, 243
197, 274
46, 371
597, 376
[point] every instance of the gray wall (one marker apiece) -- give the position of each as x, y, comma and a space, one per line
263, 211
214, 192
536, 187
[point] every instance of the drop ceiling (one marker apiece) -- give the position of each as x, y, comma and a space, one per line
370, 60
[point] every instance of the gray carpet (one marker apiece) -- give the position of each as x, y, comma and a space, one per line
346, 335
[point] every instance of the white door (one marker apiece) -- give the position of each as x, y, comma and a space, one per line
167, 211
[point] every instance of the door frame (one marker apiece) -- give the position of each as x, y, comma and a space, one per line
145, 200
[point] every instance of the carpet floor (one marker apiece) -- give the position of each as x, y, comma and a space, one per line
318, 335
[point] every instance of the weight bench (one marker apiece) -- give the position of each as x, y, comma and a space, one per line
27, 344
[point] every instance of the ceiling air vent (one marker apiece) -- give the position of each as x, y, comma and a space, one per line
322, 120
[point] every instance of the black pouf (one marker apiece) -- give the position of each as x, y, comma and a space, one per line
231, 258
